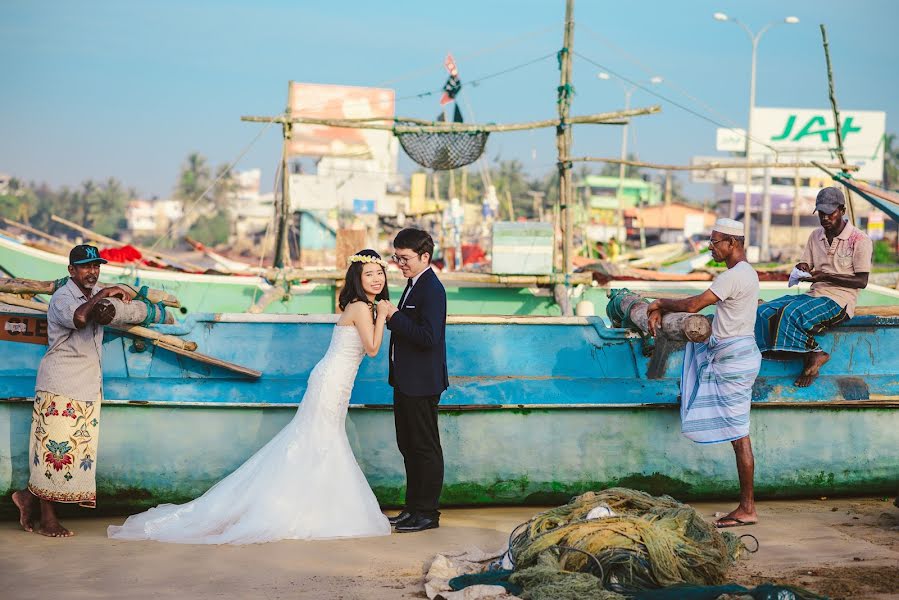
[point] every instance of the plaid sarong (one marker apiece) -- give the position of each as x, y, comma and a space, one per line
716, 388
63, 449
789, 322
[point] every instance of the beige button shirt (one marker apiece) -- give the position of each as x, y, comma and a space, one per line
71, 367
849, 254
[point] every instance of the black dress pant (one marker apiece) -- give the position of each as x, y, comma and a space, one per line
418, 439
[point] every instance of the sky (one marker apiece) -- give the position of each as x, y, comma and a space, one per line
100, 89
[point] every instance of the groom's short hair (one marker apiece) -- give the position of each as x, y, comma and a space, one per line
416, 240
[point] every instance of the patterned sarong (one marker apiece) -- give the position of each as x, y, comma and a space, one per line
716, 388
63, 449
789, 322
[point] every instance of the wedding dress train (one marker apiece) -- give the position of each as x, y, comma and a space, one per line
303, 484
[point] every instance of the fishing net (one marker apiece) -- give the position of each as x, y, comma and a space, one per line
648, 542
442, 151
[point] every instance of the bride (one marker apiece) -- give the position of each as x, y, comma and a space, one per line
304, 483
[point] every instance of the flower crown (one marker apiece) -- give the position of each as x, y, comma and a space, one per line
361, 258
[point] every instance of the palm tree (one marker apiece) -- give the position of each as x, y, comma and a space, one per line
194, 178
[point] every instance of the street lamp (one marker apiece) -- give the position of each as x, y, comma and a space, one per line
754, 38
629, 89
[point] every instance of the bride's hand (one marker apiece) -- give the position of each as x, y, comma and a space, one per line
384, 309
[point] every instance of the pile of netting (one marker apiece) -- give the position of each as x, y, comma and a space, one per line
443, 150
618, 542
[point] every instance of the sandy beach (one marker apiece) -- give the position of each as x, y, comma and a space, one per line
843, 548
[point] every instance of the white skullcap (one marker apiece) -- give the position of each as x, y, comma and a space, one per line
728, 227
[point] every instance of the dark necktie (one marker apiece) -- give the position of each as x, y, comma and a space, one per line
405, 295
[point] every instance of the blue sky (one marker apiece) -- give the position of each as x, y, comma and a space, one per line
127, 90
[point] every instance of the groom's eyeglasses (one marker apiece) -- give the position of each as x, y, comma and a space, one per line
401, 260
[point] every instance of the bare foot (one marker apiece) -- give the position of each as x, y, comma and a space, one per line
54, 529
813, 364
24, 501
737, 518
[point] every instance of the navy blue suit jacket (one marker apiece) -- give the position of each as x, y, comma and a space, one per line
418, 340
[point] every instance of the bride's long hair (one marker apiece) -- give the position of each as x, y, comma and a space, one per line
352, 287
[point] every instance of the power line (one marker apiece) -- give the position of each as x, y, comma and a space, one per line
670, 101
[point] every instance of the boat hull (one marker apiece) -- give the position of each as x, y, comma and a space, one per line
538, 409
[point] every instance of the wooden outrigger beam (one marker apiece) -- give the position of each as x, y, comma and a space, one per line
711, 166
31, 287
420, 126
37, 232
455, 277
172, 343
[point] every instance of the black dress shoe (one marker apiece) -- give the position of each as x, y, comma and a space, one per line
418, 523
400, 518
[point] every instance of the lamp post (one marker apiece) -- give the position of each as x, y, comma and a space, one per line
754, 38
629, 90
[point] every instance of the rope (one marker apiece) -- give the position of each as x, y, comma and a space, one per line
153, 310
192, 206
672, 102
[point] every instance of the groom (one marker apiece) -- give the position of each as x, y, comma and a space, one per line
418, 376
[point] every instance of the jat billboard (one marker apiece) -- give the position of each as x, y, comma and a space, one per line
809, 134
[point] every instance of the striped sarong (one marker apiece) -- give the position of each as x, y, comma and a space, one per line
716, 388
63, 449
789, 323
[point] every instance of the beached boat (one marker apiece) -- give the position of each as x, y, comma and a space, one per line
466, 295
538, 409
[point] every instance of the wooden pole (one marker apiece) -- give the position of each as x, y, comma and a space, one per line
675, 326
282, 207
37, 232
610, 118
711, 166
850, 212
794, 231
165, 258
563, 135
31, 287
132, 329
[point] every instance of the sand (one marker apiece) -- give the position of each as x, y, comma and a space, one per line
844, 548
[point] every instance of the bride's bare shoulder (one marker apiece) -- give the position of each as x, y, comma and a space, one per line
352, 312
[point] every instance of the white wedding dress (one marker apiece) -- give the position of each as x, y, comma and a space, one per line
303, 484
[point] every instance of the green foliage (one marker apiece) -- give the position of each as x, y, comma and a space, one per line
193, 179
212, 230
99, 206
883, 253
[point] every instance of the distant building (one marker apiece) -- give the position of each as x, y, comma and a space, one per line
152, 217
4, 182
674, 222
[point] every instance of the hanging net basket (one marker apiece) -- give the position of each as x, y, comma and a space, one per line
442, 151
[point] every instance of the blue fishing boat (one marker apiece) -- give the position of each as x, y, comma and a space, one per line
538, 409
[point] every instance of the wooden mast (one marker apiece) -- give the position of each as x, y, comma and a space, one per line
837, 126
282, 207
563, 135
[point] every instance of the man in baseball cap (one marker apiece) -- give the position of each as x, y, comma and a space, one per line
837, 259
69, 386
85, 254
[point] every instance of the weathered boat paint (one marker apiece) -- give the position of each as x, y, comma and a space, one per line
538, 409
228, 293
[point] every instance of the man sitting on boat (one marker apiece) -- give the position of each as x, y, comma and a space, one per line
66, 416
716, 386
837, 260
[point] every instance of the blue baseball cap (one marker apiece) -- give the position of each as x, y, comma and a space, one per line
829, 199
84, 254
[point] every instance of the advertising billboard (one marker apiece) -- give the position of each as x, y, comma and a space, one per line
340, 102
809, 134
